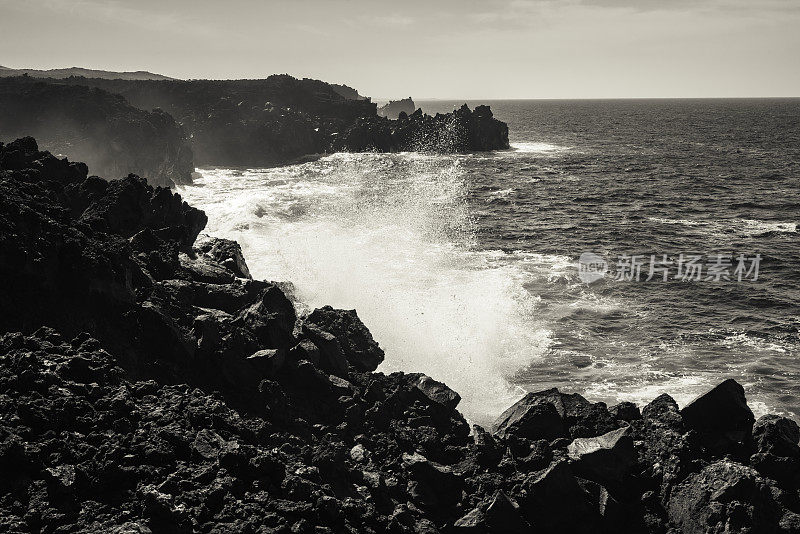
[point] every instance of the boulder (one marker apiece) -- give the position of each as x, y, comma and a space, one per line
625, 411
225, 252
724, 497
579, 417
267, 362
431, 484
667, 452
777, 454
437, 392
662, 408
305, 350
554, 502
488, 452
331, 356
270, 319
721, 417
605, 459
201, 269
530, 421
777, 435
360, 350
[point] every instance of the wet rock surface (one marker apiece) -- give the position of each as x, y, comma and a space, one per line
147, 384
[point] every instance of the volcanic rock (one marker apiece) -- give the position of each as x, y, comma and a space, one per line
606, 458
721, 417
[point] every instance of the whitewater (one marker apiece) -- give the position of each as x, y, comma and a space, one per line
392, 237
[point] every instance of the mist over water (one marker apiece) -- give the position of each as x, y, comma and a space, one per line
465, 267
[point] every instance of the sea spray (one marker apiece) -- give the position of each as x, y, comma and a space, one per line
391, 236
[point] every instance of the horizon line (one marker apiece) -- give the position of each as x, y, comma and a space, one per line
769, 97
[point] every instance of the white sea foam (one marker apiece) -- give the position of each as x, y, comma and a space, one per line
500, 194
537, 147
682, 222
742, 339
755, 227
390, 236
682, 388
747, 227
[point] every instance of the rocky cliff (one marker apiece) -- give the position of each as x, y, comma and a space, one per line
280, 119
393, 108
149, 384
98, 127
348, 92
266, 122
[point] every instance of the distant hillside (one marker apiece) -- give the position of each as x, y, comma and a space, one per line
100, 128
263, 122
78, 71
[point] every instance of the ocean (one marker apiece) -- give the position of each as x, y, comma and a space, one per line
469, 267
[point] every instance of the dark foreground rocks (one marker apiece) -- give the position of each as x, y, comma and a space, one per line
149, 384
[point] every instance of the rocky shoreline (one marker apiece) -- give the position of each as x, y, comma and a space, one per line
149, 384
257, 123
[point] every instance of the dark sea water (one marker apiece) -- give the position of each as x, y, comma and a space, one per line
466, 267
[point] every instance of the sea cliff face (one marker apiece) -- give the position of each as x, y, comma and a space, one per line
280, 119
266, 122
149, 384
97, 127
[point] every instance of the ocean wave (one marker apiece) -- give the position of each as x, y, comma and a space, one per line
682, 222
392, 237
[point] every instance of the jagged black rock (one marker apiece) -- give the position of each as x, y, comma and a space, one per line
149, 384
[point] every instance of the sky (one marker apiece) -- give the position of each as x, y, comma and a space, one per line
466, 49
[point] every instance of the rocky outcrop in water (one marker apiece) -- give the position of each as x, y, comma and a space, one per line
149, 384
393, 108
463, 130
102, 129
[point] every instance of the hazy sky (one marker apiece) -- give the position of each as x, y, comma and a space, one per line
429, 48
